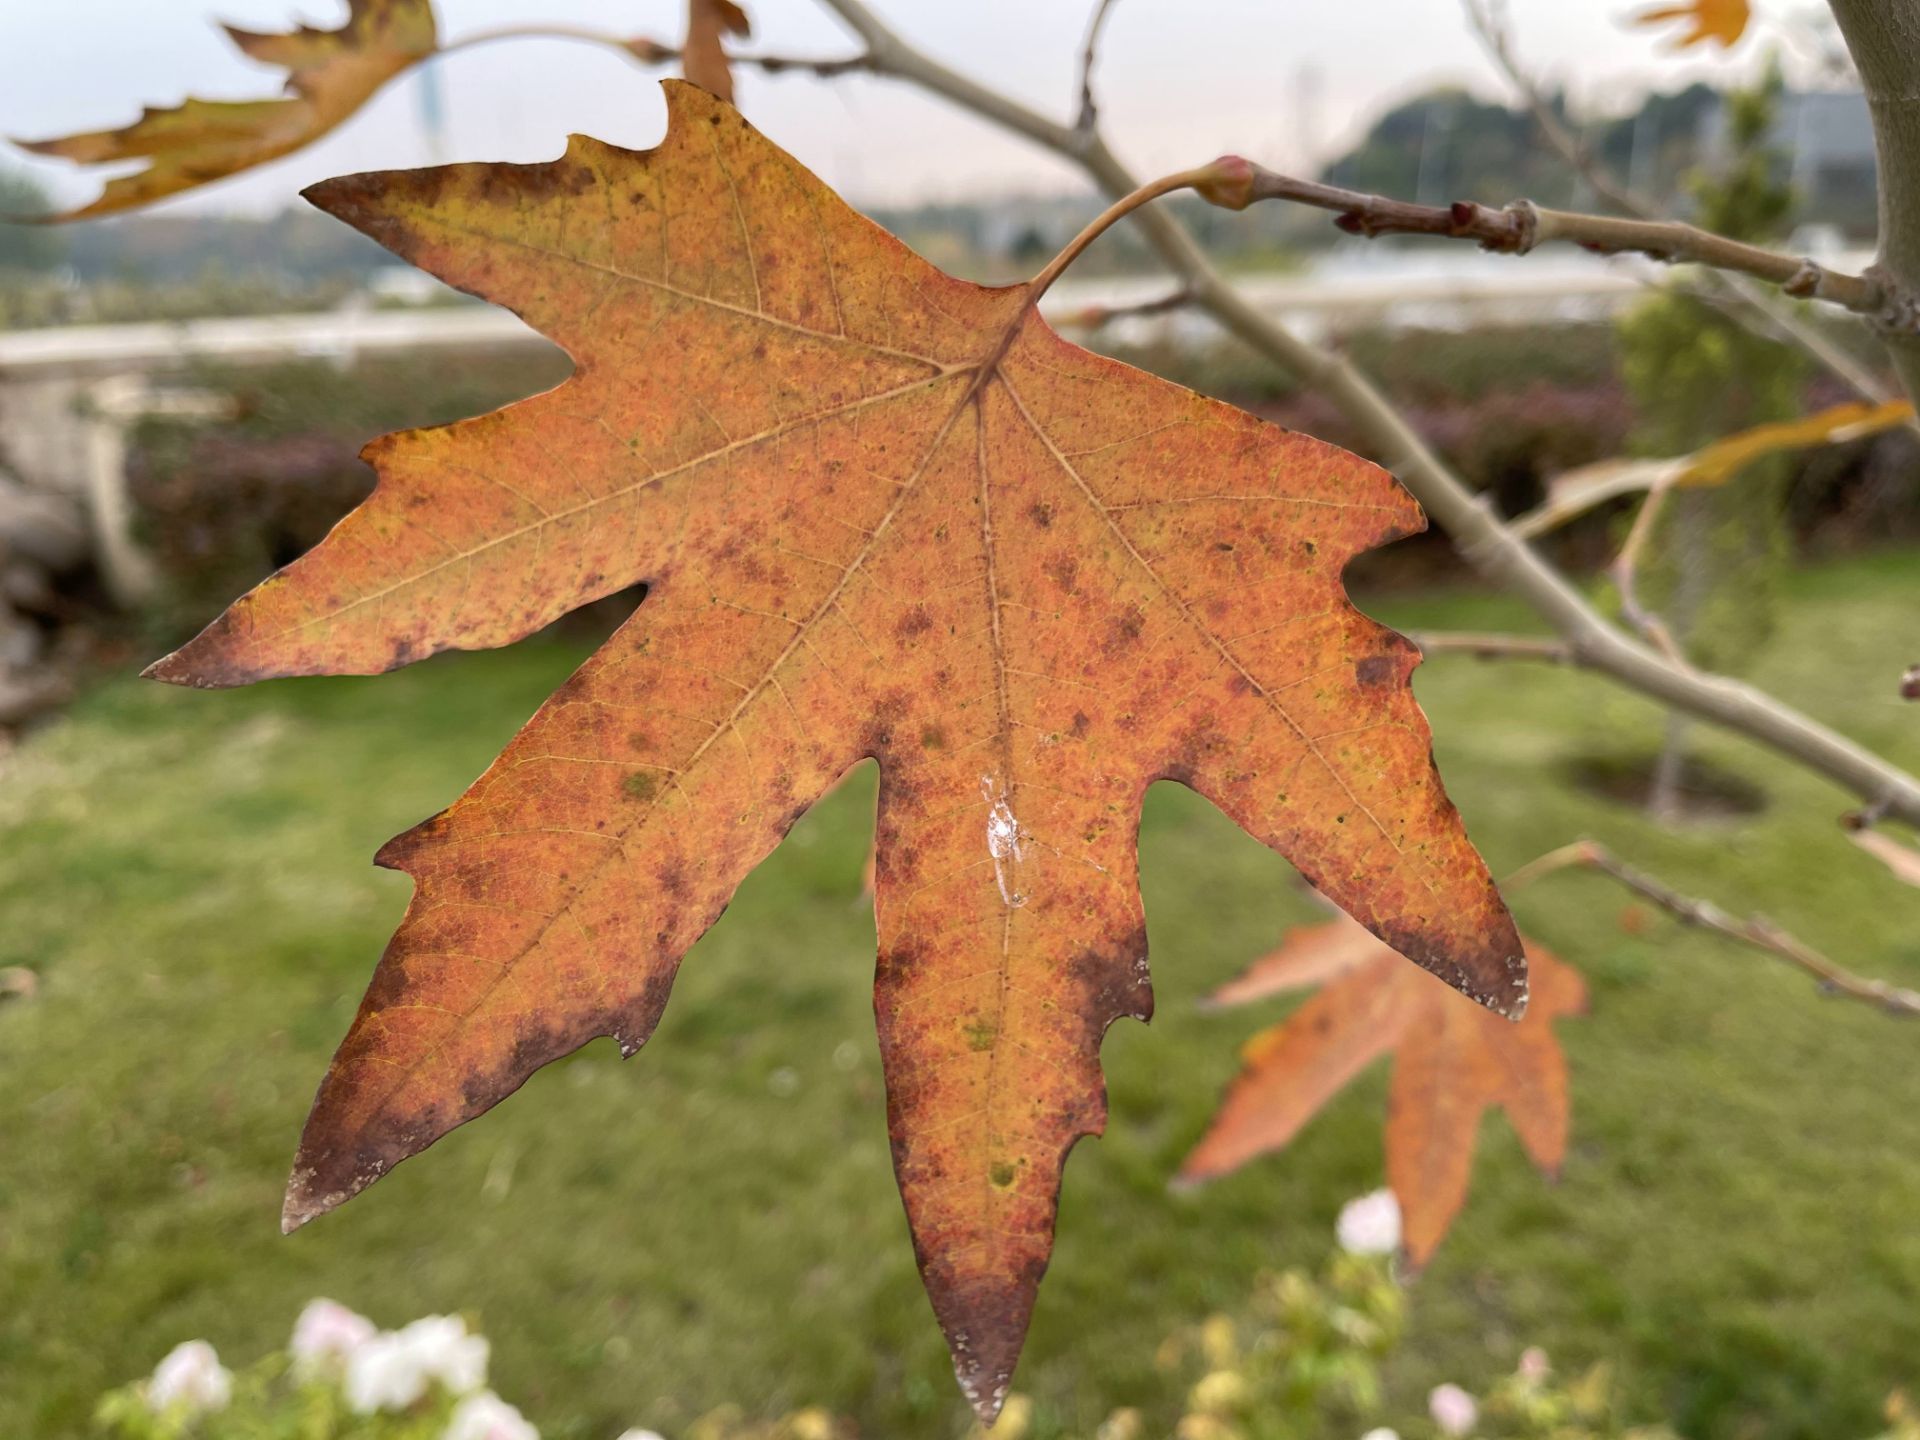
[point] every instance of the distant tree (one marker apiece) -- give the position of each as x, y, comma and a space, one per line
1716, 554
1445, 145
27, 247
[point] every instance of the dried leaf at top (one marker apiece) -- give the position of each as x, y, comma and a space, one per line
704, 58
330, 74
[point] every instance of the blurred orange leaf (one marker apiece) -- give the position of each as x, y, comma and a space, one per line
880, 512
704, 58
1723, 459
1451, 1061
1721, 21
330, 74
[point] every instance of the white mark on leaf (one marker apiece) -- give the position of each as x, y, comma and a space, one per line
1006, 843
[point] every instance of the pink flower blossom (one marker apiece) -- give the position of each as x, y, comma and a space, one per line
485, 1416
1370, 1225
446, 1352
1453, 1409
325, 1335
1533, 1366
190, 1378
383, 1374
393, 1369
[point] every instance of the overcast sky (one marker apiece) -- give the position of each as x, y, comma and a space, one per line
1182, 80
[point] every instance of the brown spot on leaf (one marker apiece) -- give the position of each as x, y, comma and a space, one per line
1375, 670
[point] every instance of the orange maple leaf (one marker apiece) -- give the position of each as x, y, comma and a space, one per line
1721, 21
883, 513
1451, 1061
330, 74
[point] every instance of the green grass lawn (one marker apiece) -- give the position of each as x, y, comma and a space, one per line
716, 1221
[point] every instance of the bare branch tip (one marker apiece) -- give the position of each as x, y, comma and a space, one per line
1088, 119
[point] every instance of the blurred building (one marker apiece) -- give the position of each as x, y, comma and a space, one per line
1826, 139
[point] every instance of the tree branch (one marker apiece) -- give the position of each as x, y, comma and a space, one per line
1089, 117
1626, 573
1574, 492
1482, 646
1093, 317
1756, 930
1477, 532
1518, 228
646, 51
1902, 861
1488, 26
1883, 36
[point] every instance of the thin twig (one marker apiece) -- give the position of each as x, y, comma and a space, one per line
824, 67
1093, 317
1575, 492
1089, 117
1760, 312
1518, 228
1756, 930
1487, 21
1740, 298
1902, 861
1625, 572
1477, 531
1588, 487
652, 52
1202, 178
1487, 646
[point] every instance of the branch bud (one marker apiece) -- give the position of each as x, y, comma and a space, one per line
649, 52
1227, 182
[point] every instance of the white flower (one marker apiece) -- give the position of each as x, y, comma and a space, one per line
1381, 1433
1453, 1409
383, 1374
325, 1335
641, 1435
1533, 1366
393, 1369
445, 1351
1370, 1225
191, 1377
485, 1416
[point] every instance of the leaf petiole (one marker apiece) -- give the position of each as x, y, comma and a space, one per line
1218, 182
